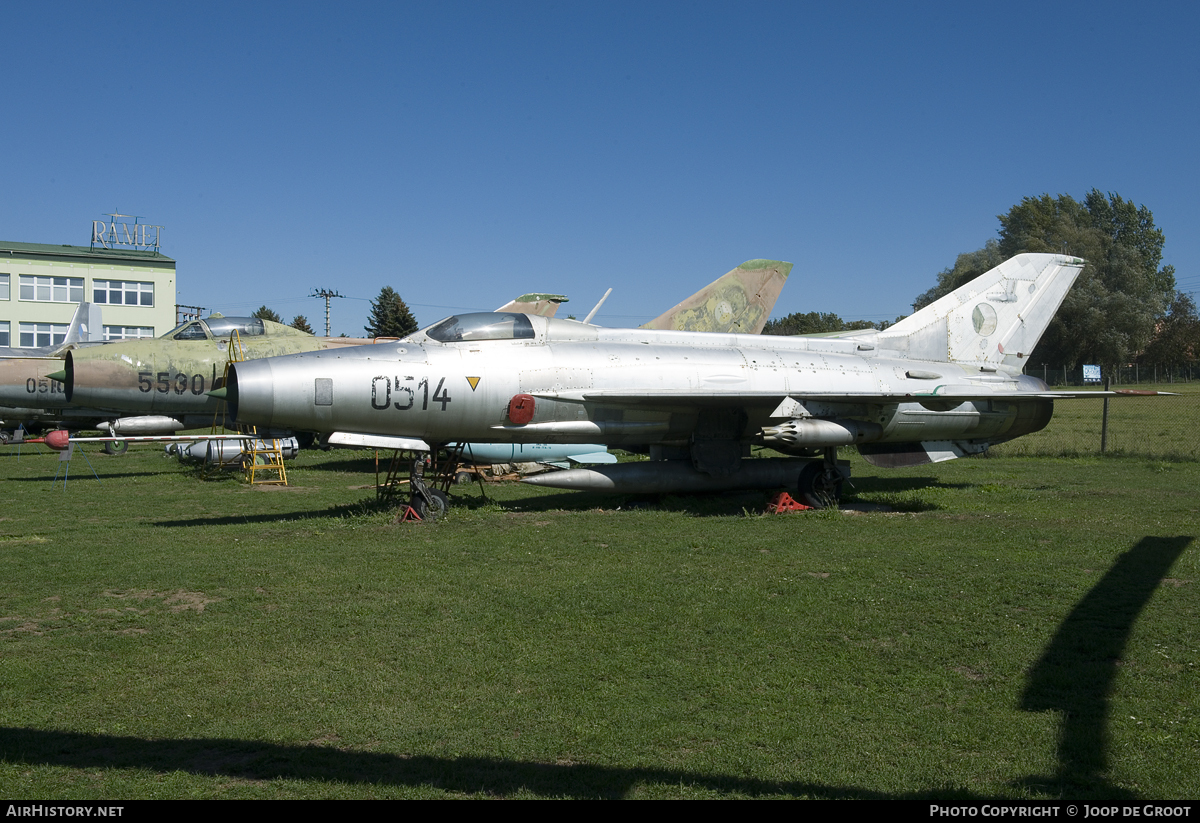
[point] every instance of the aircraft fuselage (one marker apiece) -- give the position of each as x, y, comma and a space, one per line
633, 388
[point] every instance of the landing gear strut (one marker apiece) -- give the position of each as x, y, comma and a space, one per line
429, 503
820, 484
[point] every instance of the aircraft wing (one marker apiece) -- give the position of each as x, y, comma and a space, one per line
355, 440
733, 398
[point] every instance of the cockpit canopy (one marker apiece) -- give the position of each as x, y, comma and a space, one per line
482, 326
218, 326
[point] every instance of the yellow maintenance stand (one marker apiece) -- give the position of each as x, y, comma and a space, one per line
261, 459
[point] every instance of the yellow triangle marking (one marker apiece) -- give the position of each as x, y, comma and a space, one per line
474, 381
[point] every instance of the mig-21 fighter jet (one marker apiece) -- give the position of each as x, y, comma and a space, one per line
945, 382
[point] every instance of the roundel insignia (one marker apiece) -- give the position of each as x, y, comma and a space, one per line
724, 311
520, 409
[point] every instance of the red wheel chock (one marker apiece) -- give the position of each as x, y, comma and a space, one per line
784, 502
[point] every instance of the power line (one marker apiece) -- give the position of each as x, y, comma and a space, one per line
327, 294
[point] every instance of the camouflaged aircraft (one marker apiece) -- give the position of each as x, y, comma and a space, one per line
28, 397
165, 380
945, 382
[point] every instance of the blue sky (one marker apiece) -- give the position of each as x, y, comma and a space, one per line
464, 153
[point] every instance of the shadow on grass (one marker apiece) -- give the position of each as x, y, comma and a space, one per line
76, 474
1078, 668
714, 504
361, 508
899, 493
360, 465
256, 760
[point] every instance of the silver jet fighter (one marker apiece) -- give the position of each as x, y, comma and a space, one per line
940, 384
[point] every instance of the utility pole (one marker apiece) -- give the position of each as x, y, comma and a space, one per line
326, 293
184, 313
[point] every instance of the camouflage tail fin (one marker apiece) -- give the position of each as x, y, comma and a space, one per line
542, 304
995, 320
740, 301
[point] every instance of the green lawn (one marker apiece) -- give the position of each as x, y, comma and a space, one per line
1159, 427
1016, 627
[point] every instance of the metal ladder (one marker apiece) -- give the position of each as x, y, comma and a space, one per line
262, 460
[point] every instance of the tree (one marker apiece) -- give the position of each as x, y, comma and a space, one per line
966, 268
1177, 337
264, 313
389, 316
814, 322
301, 322
1110, 314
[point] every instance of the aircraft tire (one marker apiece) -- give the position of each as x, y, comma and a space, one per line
116, 448
4, 438
440, 505
818, 490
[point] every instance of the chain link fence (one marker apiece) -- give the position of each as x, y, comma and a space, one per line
1132, 376
1162, 427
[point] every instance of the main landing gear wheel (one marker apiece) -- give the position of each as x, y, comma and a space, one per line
116, 447
434, 507
820, 486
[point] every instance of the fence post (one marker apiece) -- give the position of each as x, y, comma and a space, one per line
1104, 421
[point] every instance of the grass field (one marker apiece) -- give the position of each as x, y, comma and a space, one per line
1162, 427
1015, 627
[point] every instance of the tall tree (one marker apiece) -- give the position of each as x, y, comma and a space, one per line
1177, 337
389, 316
814, 322
966, 268
264, 313
1110, 314
301, 322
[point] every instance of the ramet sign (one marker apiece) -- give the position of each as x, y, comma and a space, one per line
138, 235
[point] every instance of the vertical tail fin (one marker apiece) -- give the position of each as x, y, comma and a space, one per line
739, 301
86, 325
542, 304
995, 320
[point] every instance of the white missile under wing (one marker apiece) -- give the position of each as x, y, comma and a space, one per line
942, 383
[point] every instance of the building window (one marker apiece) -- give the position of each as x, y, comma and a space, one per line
127, 332
35, 335
5, 340
52, 289
122, 292
4, 286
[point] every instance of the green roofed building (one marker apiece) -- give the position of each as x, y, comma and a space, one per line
40, 286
